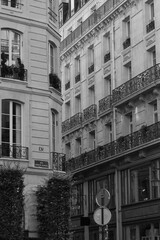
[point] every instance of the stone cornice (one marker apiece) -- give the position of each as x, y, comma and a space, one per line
97, 28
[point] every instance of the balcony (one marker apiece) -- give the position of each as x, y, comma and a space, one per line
123, 145
54, 82
90, 113
72, 123
88, 24
67, 85
126, 43
13, 151
150, 26
107, 57
91, 69
105, 104
138, 84
58, 161
77, 78
13, 72
52, 15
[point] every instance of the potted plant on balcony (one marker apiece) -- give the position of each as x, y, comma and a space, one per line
54, 81
3, 65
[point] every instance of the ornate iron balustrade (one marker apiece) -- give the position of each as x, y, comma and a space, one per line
52, 15
150, 26
137, 83
65, 125
90, 113
105, 104
77, 78
107, 57
13, 73
72, 122
88, 24
115, 148
58, 161
126, 43
91, 69
67, 85
14, 151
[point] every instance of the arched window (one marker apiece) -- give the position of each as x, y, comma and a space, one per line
52, 57
11, 133
11, 45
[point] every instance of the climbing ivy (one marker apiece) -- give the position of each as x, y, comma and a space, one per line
53, 209
11, 203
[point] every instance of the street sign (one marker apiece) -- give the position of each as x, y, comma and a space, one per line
102, 216
103, 197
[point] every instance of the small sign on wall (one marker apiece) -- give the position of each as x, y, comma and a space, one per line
42, 164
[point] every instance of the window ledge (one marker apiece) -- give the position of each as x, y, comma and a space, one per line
11, 9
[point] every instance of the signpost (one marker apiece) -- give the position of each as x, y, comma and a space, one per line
102, 215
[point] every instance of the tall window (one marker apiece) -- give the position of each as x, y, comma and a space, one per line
150, 15
90, 59
91, 195
11, 3
126, 32
107, 85
52, 57
67, 76
10, 45
67, 109
77, 199
155, 112
53, 131
78, 103
91, 95
108, 132
68, 150
11, 126
77, 69
106, 47
92, 140
78, 147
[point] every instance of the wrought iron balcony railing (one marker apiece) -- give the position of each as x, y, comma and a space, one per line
58, 161
88, 24
77, 78
52, 15
121, 145
137, 83
13, 72
72, 122
14, 151
107, 57
90, 113
150, 26
126, 43
105, 104
91, 69
67, 85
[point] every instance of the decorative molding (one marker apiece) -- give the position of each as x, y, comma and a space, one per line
142, 154
107, 69
95, 30
91, 80
90, 127
150, 41
127, 56
67, 96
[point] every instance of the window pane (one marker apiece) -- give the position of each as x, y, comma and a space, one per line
16, 122
17, 137
5, 121
5, 135
15, 38
5, 106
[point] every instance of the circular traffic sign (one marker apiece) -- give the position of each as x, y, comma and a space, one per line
102, 216
103, 197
